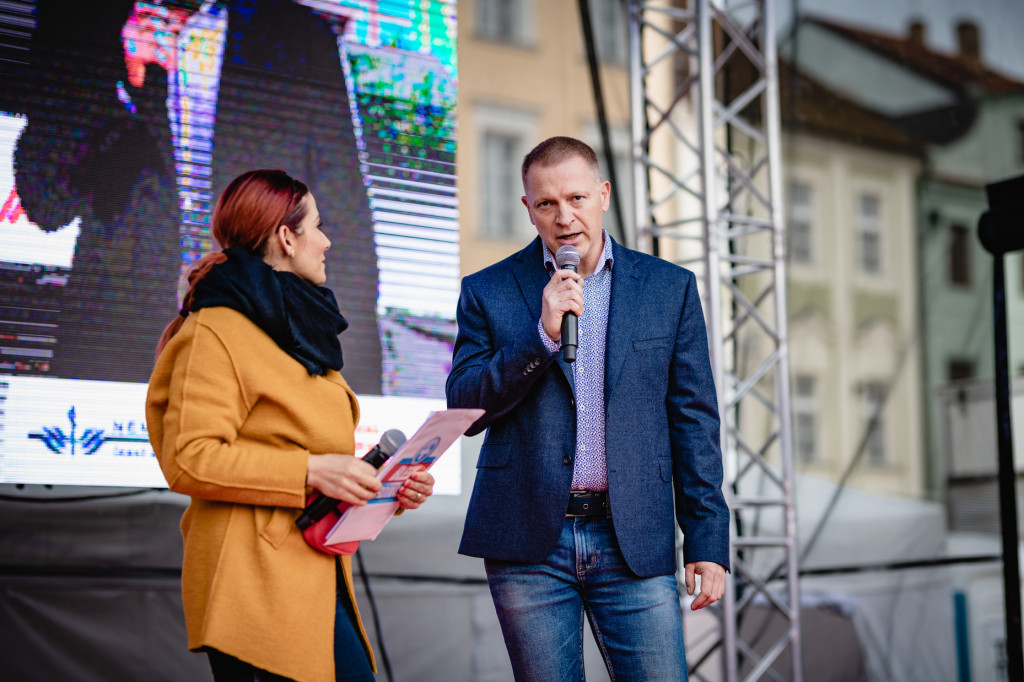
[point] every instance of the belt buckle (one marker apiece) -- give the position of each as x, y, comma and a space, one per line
586, 505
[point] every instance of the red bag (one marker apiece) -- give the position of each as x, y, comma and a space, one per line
317, 532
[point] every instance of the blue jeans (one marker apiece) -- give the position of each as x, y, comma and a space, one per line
636, 622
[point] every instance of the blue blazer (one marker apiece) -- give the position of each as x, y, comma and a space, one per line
661, 417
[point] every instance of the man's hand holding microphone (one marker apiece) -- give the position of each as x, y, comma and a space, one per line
562, 301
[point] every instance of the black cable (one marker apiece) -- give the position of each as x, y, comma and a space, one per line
376, 616
441, 579
903, 565
602, 117
78, 498
135, 572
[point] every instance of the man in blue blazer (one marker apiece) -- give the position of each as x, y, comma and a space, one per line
572, 508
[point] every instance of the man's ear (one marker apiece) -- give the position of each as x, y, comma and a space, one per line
528, 211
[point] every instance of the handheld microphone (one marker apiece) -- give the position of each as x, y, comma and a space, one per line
568, 258
318, 508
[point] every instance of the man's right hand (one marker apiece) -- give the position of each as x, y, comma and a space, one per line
564, 293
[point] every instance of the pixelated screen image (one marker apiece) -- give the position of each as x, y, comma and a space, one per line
120, 124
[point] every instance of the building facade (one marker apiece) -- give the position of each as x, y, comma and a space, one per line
524, 77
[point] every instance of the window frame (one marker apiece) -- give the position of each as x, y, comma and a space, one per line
870, 227
605, 34
806, 219
958, 261
505, 120
521, 31
873, 394
805, 406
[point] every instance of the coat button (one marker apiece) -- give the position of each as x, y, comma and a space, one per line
567, 460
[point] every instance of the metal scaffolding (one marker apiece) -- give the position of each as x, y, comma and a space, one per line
706, 136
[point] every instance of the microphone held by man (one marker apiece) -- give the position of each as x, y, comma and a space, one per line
568, 258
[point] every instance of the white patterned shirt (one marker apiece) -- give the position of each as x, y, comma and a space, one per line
589, 467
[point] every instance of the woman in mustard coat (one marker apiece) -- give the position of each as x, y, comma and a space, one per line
247, 413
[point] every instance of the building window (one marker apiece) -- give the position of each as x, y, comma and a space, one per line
800, 221
499, 155
869, 219
959, 370
873, 397
505, 137
506, 21
959, 255
805, 419
609, 21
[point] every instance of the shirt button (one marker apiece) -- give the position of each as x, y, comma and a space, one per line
566, 459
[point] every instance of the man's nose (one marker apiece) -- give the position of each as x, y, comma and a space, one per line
564, 216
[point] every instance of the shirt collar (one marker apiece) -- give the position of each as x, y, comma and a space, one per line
606, 257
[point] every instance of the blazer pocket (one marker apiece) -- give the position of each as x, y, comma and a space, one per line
665, 469
650, 344
276, 524
493, 456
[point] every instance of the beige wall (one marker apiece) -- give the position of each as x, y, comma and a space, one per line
847, 328
549, 77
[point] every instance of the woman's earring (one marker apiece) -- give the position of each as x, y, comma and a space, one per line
291, 253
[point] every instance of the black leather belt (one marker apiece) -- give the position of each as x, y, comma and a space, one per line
586, 503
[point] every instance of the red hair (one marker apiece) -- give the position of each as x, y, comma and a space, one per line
248, 212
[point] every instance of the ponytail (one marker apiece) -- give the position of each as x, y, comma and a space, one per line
196, 272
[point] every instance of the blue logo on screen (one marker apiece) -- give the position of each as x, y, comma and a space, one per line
90, 440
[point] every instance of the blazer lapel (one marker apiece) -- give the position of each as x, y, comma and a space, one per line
532, 276
627, 288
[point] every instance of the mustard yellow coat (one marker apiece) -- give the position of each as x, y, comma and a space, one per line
233, 420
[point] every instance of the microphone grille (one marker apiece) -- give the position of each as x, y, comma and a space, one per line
567, 255
391, 441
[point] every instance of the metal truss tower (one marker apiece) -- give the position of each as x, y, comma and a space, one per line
706, 136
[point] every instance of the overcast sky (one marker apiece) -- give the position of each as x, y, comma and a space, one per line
1001, 23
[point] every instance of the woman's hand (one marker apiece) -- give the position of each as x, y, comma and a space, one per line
416, 490
343, 477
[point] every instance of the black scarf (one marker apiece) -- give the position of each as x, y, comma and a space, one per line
302, 318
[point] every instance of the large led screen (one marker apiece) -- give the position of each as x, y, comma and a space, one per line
121, 122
